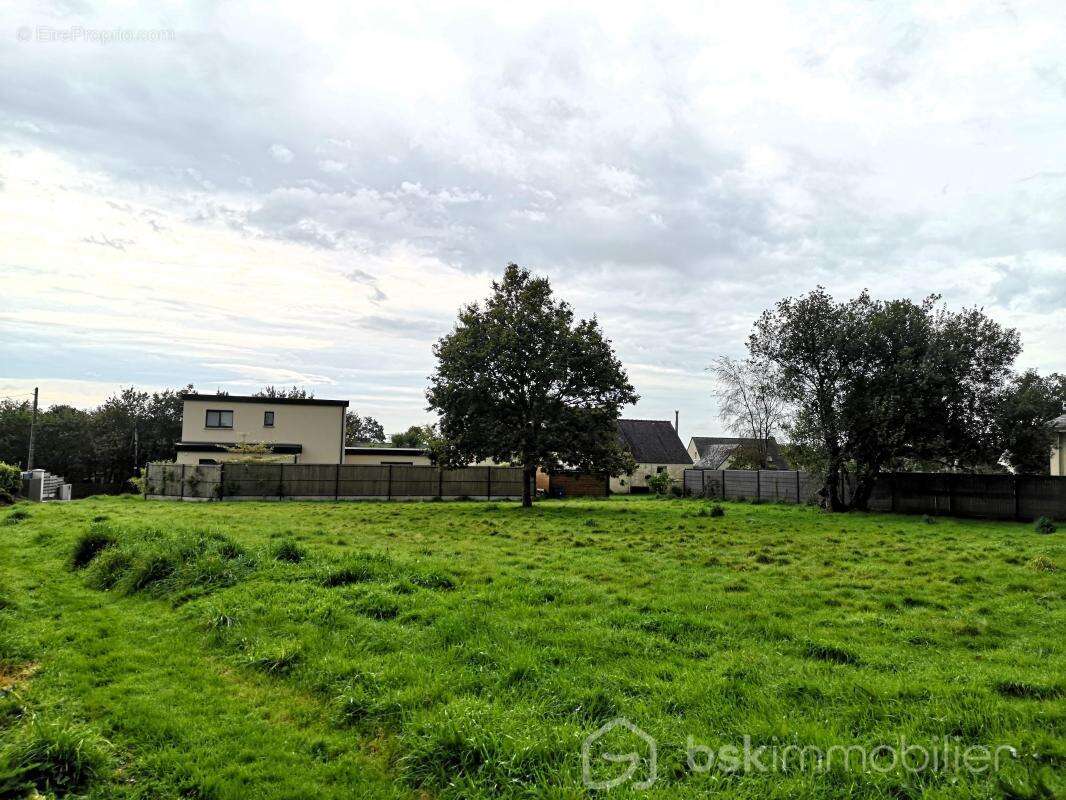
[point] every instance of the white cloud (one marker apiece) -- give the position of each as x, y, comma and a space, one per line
281, 154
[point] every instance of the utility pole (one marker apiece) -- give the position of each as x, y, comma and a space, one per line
33, 427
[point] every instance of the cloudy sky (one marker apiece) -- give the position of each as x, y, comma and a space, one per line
233, 194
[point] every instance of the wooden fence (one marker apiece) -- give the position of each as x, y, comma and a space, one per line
329, 482
1018, 497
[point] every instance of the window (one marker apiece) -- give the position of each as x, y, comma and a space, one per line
205, 462
219, 419
268, 419
660, 470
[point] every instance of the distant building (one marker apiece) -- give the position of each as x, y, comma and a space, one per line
718, 452
375, 455
656, 448
298, 431
1058, 454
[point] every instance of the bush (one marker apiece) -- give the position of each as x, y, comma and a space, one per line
717, 511
5, 498
10, 478
89, 545
660, 482
1044, 525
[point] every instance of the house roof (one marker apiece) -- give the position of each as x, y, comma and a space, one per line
224, 447
1060, 423
713, 451
272, 401
384, 450
652, 441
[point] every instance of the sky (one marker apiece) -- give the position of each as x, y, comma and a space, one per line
239, 194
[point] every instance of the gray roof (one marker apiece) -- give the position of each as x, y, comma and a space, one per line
715, 450
652, 441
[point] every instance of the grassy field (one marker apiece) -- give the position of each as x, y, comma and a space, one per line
321, 650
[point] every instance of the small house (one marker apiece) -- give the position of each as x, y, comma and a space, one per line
721, 452
656, 448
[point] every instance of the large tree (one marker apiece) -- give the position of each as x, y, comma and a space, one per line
520, 381
877, 382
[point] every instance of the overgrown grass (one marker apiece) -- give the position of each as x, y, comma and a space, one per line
465, 650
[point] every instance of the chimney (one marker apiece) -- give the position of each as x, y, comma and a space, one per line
677, 415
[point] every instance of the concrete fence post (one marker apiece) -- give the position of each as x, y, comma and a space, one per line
488, 482
388, 489
337, 482
182, 481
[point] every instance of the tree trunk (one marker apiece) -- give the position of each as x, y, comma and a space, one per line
528, 474
864, 488
832, 487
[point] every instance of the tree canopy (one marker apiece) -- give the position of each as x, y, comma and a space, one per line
519, 380
361, 430
874, 383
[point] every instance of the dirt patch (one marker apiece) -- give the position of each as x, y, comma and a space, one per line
12, 676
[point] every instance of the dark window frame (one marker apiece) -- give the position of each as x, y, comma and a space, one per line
220, 412
268, 415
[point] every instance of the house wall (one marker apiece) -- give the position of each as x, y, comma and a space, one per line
639, 477
320, 429
372, 460
1058, 455
692, 451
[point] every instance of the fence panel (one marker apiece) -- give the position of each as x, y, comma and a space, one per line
308, 480
465, 482
1041, 496
253, 480
357, 480
412, 481
202, 481
507, 482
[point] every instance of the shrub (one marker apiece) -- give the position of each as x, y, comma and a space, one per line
660, 482
89, 545
717, 511
10, 478
676, 490
54, 757
5, 498
928, 520
290, 551
1044, 525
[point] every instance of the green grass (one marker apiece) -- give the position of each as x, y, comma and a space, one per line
456, 650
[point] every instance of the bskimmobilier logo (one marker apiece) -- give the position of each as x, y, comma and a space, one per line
593, 749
